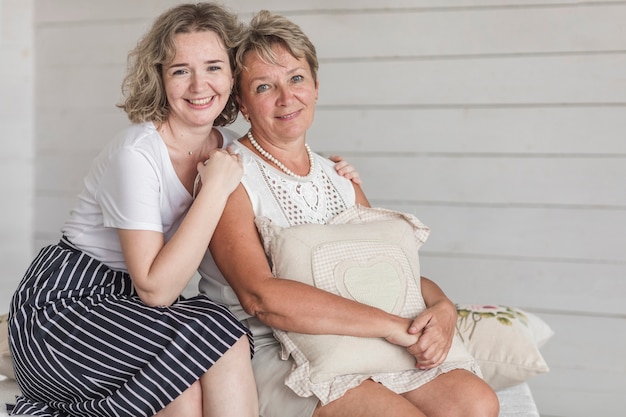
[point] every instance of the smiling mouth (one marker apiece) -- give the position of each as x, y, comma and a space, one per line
288, 116
200, 101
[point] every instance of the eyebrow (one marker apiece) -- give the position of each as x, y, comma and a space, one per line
185, 64
291, 71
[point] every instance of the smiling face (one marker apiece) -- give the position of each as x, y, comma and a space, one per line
198, 81
278, 99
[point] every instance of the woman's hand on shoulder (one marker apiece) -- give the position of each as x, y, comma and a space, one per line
223, 170
346, 170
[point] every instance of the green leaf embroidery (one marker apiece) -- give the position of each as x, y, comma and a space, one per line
470, 317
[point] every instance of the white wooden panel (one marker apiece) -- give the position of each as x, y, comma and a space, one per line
17, 147
17, 70
478, 31
415, 33
99, 88
587, 362
495, 179
53, 177
501, 81
54, 11
80, 131
603, 351
52, 213
78, 10
576, 287
461, 130
548, 234
97, 44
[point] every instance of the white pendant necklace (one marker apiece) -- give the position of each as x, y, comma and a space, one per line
279, 164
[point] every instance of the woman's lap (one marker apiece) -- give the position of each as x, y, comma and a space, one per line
275, 398
370, 398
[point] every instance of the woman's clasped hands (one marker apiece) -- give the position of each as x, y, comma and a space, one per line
428, 337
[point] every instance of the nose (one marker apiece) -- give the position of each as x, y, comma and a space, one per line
197, 82
285, 96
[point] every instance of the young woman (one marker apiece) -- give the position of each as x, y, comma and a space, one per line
97, 326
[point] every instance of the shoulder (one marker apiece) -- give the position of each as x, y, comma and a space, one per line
323, 160
140, 139
138, 135
134, 146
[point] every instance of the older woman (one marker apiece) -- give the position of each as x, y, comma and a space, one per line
277, 88
97, 325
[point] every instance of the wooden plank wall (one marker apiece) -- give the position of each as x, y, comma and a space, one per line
499, 123
17, 91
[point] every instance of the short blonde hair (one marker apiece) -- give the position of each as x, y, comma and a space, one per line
266, 30
143, 89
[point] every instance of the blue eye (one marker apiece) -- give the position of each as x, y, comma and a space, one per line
297, 78
261, 88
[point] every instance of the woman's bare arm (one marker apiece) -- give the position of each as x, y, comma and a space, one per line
161, 270
283, 303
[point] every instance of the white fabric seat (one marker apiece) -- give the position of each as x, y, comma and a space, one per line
517, 401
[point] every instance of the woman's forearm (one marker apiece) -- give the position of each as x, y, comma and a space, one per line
293, 306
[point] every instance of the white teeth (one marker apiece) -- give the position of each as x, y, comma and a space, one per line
200, 102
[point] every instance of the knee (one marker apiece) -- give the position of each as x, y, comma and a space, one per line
485, 403
472, 397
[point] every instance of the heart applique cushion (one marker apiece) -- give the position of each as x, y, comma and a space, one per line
368, 255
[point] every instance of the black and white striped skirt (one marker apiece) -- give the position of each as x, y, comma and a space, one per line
84, 344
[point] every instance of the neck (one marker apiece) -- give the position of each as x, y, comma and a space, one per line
276, 162
187, 141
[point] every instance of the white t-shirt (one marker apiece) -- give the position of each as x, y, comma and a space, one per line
131, 185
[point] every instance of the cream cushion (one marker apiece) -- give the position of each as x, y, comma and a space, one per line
364, 254
505, 341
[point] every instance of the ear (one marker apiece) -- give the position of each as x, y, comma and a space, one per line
242, 108
317, 88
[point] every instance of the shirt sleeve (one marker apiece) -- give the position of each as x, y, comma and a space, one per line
130, 192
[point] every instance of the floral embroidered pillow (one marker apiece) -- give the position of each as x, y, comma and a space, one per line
505, 341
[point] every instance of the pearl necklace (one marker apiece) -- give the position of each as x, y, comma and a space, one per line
276, 162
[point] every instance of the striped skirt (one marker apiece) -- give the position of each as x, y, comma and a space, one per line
84, 344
